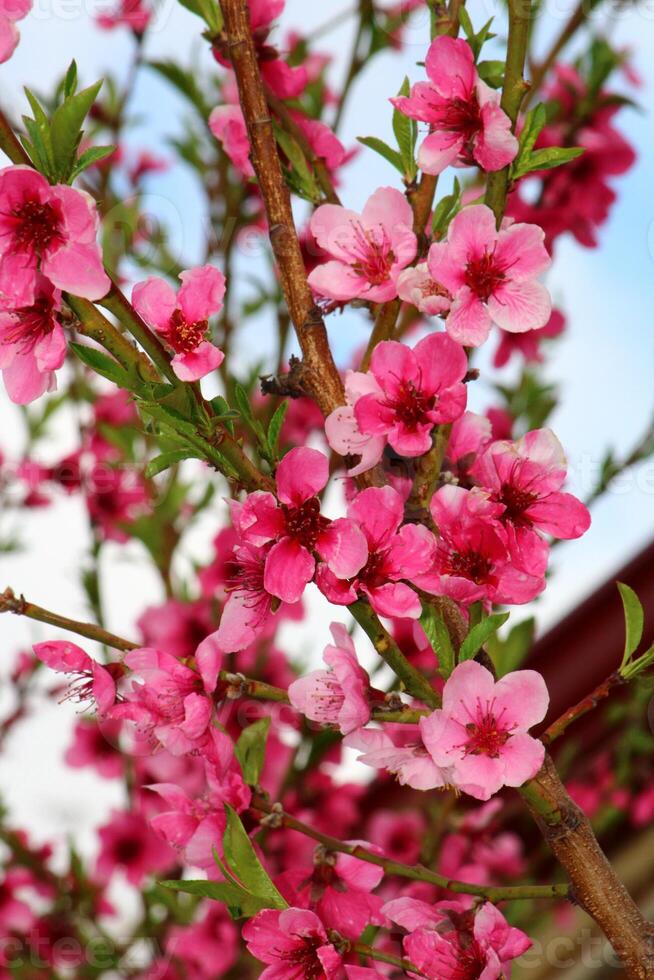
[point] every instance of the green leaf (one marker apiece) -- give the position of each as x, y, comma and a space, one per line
480, 634
634, 621
161, 463
241, 860
238, 901
184, 82
550, 157
38, 129
508, 654
445, 210
439, 638
244, 406
384, 150
275, 428
89, 157
300, 176
477, 39
66, 129
104, 365
250, 750
492, 72
406, 134
70, 81
208, 10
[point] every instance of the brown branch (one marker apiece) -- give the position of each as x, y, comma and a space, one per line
322, 378
589, 703
595, 885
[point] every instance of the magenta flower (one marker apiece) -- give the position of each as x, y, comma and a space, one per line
92, 746
128, 843
129, 13
196, 826
32, 344
295, 945
10, 12
182, 320
472, 560
526, 477
172, 704
491, 276
368, 251
91, 681
294, 522
337, 696
395, 552
408, 758
481, 730
339, 889
450, 943
51, 229
467, 125
416, 286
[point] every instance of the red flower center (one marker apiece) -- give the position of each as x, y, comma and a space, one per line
305, 523
469, 564
411, 405
516, 500
373, 258
30, 324
471, 961
245, 575
483, 275
462, 116
486, 734
37, 225
183, 336
305, 955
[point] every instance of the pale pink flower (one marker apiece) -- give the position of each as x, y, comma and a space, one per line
408, 758
32, 344
466, 123
342, 430
337, 696
91, 681
472, 560
196, 826
526, 477
396, 551
491, 276
295, 945
227, 124
452, 943
173, 702
182, 320
368, 251
294, 522
481, 730
416, 286
10, 12
51, 229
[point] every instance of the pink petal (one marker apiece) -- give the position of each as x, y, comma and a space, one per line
495, 146
201, 293
561, 515
380, 512
468, 321
337, 281
302, 474
521, 250
155, 302
343, 547
394, 599
523, 698
63, 656
197, 363
438, 151
78, 269
522, 756
389, 208
209, 658
289, 569
520, 306
468, 682
442, 362
451, 67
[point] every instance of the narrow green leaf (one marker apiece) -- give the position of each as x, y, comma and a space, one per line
492, 72
250, 750
86, 159
508, 654
208, 10
300, 177
39, 131
384, 150
275, 428
239, 902
164, 462
103, 365
242, 861
547, 159
445, 210
406, 132
634, 621
439, 638
70, 81
66, 128
185, 83
479, 635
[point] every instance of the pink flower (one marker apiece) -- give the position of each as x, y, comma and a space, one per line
408, 758
208, 947
416, 286
182, 320
368, 250
450, 943
481, 730
294, 522
91, 681
491, 276
196, 826
173, 704
466, 123
470, 435
525, 477
32, 344
128, 843
342, 430
338, 696
129, 13
395, 552
473, 560
295, 945
227, 124
92, 747
339, 889
10, 12
51, 229
528, 344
